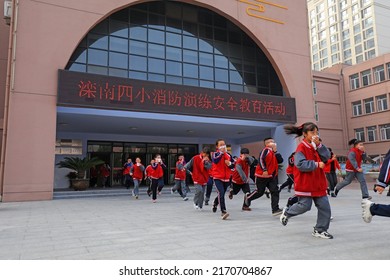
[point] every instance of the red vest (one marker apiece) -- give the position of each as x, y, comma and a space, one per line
156, 172
271, 164
349, 166
200, 175
328, 164
312, 183
180, 174
245, 168
137, 172
220, 171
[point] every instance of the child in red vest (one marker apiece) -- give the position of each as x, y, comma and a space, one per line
354, 169
222, 166
199, 167
148, 179
290, 174
309, 178
138, 171
180, 178
267, 176
330, 171
126, 172
240, 178
156, 174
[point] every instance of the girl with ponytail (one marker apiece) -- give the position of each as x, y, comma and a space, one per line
309, 178
353, 167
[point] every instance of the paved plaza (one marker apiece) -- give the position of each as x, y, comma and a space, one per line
120, 227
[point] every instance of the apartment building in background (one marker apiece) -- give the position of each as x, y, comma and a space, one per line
347, 31
354, 102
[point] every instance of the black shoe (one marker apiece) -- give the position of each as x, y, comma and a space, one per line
369, 197
214, 208
230, 194
334, 193
206, 202
328, 191
267, 194
277, 212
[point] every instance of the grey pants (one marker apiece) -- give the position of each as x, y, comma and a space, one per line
199, 195
348, 179
304, 204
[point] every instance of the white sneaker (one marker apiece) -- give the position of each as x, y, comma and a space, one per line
366, 215
185, 198
196, 206
283, 217
324, 234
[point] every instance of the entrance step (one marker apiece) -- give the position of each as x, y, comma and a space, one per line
69, 193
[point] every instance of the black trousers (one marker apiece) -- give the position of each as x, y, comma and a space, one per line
272, 185
244, 187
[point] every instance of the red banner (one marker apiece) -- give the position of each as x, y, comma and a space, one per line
89, 90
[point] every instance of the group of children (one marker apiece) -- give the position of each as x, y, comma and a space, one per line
311, 168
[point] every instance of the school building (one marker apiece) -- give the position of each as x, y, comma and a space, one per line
123, 78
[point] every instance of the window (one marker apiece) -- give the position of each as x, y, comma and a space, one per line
346, 44
345, 34
371, 133
331, 2
359, 134
324, 62
357, 108
366, 12
358, 39
316, 111
370, 54
323, 44
381, 103
368, 33
333, 29
359, 58
369, 105
368, 22
355, 19
369, 44
324, 53
366, 78
314, 87
315, 57
343, 4
354, 81
355, 8
174, 42
332, 19
384, 131
321, 25
334, 48
347, 54
358, 49
388, 70
356, 29
365, 2
344, 24
333, 38
332, 10
379, 74
344, 15
335, 58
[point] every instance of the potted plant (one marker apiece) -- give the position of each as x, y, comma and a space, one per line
80, 166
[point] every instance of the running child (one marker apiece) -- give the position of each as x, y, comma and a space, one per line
222, 166
309, 178
354, 169
240, 178
290, 174
267, 176
138, 171
199, 167
180, 178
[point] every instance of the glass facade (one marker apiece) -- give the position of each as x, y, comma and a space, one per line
176, 43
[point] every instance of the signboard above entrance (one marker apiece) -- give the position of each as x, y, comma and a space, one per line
97, 91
